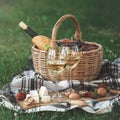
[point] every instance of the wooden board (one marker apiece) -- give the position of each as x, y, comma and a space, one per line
25, 107
64, 99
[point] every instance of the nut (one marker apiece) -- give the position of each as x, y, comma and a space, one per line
101, 92
74, 96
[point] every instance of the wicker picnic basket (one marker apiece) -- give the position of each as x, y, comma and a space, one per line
89, 65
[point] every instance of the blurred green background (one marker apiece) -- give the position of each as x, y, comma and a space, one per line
99, 21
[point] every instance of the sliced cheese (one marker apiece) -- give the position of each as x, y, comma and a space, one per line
43, 91
34, 94
45, 99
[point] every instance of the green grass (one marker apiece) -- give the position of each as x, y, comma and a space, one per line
99, 21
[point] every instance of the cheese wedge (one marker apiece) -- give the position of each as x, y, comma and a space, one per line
34, 94
43, 91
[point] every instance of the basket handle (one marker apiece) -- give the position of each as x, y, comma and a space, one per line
77, 34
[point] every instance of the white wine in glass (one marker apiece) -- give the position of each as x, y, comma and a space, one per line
71, 51
56, 64
72, 62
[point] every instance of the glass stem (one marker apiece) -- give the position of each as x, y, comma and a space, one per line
70, 71
56, 85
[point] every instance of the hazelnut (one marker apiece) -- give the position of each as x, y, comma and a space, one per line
101, 92
74, 96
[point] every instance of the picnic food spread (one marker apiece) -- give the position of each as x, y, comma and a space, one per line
82, 88
33, 90
86, 70
43, 96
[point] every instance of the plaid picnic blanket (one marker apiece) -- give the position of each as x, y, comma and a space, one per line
30, 80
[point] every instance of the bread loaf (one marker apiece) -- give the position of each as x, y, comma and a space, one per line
42, 42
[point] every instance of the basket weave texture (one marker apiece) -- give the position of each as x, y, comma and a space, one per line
89, 65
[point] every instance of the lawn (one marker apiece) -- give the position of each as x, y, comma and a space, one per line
99, 22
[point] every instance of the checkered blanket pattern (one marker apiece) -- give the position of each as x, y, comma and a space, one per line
29, 80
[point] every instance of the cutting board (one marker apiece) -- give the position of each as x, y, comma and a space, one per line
63, 99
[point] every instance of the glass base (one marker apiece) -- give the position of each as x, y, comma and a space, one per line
56, 97
70, 90
70, 86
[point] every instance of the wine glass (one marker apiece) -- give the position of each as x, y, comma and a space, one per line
56, 63
71, 52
